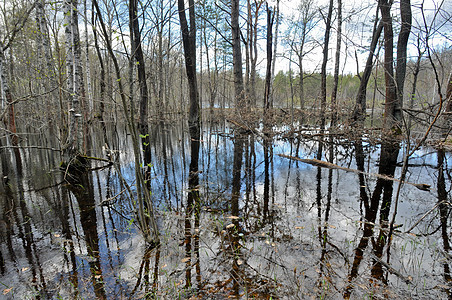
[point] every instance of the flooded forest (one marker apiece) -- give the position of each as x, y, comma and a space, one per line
216, 149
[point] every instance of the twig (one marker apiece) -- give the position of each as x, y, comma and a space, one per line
104, 202
31, 147
428, 212
407, 280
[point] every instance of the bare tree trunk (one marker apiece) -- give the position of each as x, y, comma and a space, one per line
275, 47
334, 105
301, 82
193, 201
89, 95
324, 62
141, 68
102, 72
390, 117
189, 42
146, 219
161, 102
75, 80
414, 86
405, 13
253, 50
247, 53
449, 95
268, 76
448, 112
8, 106
359, 112
237, 56
212, 78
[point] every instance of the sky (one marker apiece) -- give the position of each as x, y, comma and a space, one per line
356, 38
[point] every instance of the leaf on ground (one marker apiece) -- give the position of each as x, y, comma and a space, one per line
6, 291
232, 217
230, 226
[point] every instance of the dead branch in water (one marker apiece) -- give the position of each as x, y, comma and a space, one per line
324, 164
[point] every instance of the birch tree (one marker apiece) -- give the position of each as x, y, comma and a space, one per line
75, 84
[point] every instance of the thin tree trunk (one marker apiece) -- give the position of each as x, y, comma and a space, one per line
301, 82
324, 62
189, 43
268, 76
146, 219
102, 72
405, 13
334, 105
275, 47
414, 86
193, 200
9, 107
237, 56
390, 116
89, 95
141, 68
359, 112
253, 52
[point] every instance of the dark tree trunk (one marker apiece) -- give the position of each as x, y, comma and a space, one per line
359, 113
405, 13
189, 42
141, 68
137, 53
324, 62
102, 73
391, 115
237, 56
449, 95
193, 201
268, 75
145, 218
336, 64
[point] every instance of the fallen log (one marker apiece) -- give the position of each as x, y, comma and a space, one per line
328, 165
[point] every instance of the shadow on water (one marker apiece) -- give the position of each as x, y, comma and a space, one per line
236, 219
81, 186
379, 200
444, 215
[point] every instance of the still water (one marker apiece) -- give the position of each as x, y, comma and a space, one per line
298, 230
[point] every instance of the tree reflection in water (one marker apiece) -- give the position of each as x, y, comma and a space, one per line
250, 224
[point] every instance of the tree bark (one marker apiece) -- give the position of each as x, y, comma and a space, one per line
334, 106
324, 62
405, 13
193, 201
75, 80
237, 57
275, 47
146, 219
189, 43
449, 95
268, 76
141, 68
359, 112
391, 116
9, 106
